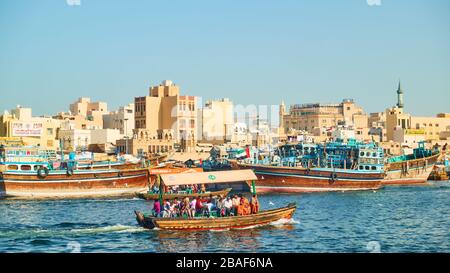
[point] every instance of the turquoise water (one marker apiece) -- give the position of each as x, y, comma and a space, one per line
393, 219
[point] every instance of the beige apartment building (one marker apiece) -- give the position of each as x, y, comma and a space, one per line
165, 115
36, 131
216, 121
90, 111
122, 119
319, 118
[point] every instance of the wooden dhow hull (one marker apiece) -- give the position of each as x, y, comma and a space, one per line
171, 196
273, 179
220, 223
410, 172
82, 183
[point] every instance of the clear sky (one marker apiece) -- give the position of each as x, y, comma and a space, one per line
252, 51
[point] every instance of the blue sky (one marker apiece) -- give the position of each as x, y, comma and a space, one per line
252, 51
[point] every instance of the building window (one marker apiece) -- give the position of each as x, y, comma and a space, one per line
49, 131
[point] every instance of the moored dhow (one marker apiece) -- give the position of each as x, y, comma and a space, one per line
31, 175
411, 169
46, 183
338, 166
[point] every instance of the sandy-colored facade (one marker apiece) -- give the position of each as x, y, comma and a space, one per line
122, 119
319, 118
36, 131
432, 126
87, 114
165, 114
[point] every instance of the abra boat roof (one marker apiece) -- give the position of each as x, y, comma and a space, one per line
208, 177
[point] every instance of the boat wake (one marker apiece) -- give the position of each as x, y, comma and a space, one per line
52, 232
285, 221
106, 229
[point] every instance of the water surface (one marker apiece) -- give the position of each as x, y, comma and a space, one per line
393, 219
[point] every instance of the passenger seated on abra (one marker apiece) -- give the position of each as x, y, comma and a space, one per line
166, 212
188, 189
208, 207
228, 206
244, 207
156, 208
220, 206
175, 208
185, 208
254, 204
235, 201
199, 205
192, 206
203, 188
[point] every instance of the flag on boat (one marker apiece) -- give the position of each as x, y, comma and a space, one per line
240, 153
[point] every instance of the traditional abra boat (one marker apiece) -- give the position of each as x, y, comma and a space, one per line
182, 194
218, 223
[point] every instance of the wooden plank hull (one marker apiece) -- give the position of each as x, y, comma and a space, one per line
153, 196
220, 223
410, 172
273, 179
83, 183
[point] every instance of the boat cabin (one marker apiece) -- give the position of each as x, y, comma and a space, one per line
24, 158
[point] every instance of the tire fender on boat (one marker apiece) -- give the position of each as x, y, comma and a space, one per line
333, 178
42, 172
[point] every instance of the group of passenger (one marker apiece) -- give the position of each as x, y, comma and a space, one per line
211, 206
188, 189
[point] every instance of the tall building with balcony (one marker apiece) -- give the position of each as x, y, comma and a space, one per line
166, 117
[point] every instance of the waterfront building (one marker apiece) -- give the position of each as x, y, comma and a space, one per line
144, 144
216, 121
78, 122
98, 140
92, 111
122, 119
83, 115
36, 131
240, 135
75, 139
397, 119
319, 119
164, 117
432, 126
409, 138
